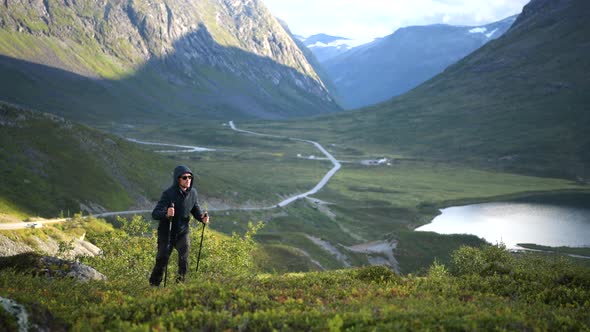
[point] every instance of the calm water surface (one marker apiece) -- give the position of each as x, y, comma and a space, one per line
513, 223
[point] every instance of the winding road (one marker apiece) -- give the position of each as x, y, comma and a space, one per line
318, 186
189, 148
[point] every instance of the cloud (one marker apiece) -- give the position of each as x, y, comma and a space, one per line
369, 19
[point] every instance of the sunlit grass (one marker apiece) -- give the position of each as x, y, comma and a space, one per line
481, 289
411, 183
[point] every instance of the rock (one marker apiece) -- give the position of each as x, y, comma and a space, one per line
38, 319
18, 311
54, 267
50, 267
11, 248
47, 246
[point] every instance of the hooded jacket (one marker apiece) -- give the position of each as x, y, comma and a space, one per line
185, 203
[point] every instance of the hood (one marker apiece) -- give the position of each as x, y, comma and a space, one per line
178, 171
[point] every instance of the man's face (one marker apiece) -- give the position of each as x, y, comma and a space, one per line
185, 180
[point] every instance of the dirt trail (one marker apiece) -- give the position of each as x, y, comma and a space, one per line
379, 253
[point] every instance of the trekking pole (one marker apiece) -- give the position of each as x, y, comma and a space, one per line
201, 246
168, 246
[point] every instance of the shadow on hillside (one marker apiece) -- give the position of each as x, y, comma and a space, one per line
216, 82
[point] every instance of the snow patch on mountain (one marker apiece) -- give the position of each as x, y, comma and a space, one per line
336, 43
478, 30
483, 30
489, 35
325, 46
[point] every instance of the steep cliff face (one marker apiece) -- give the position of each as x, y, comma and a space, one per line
212, 46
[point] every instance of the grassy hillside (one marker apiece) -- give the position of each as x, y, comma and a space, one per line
483, 288
51, 166
519, 103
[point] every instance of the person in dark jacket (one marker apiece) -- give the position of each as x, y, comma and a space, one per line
176, 205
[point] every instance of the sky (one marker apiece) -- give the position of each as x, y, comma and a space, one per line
364, 20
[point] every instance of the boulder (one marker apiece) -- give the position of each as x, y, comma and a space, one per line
50, 267
54, 267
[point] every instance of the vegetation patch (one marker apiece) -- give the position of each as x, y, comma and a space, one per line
482, 288
70, 166
582, 252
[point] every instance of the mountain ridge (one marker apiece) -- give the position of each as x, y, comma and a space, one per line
517, 104
325, 46
396, 63
189, 46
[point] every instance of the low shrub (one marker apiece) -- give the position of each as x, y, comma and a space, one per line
376, 274
485, 261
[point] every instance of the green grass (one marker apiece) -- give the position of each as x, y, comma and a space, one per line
277, 258
569, 252
51, 166
244, 170
10, 212
409, 183
416, 251
255, 179
15, 44
75, 57
480, 289
561, 250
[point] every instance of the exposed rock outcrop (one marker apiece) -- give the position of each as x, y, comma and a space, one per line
199, 46
49, 246
53, 267
50, 267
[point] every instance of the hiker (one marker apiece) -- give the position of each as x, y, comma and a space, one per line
175, 206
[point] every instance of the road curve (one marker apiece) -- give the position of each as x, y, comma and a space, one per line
318, 186
187, 148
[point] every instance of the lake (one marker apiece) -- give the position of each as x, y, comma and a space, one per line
512, 223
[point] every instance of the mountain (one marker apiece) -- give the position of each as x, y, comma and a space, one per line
325, 47
97, 60
397, 63
312, 59
51, 166
519, 103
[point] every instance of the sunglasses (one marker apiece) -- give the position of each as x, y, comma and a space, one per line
186, 177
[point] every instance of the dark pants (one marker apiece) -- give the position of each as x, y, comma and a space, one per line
182, 243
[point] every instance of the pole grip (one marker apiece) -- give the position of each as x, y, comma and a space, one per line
171, 206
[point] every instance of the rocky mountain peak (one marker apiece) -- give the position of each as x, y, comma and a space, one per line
179, 39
